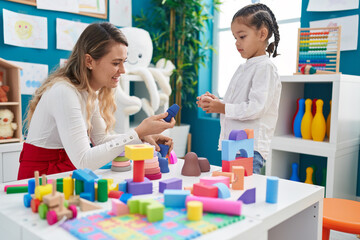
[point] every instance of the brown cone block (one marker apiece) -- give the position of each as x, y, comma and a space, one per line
191, 165
204, 164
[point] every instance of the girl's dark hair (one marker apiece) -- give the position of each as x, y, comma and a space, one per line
258, 15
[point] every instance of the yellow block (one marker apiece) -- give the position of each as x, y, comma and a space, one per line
139, 152
68, 187
194, 210
42, 190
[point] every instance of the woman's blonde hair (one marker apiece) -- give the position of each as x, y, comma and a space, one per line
96, 41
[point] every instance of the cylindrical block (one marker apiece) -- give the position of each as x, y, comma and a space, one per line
68, 187
17, 189
272, 185
59, 185
102, 195
217, 205
194, 210
139, 171
79, 187
31, 186
42, 190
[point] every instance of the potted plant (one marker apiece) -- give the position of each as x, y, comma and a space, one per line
175, 27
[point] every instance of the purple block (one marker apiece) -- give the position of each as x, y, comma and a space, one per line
248, 196
171, 183
139, 188
238, 135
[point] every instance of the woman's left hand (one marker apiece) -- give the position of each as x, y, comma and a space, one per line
156, 139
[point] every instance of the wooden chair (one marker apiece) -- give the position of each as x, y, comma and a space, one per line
340, 215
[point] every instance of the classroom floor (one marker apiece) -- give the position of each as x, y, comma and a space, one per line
334, 235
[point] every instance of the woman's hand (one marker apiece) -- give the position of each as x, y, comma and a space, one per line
159, 139
154, 125
213, 106
206, 97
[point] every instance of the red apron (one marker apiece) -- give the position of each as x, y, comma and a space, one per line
46, 161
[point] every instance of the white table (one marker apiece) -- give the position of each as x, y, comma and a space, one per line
297, 215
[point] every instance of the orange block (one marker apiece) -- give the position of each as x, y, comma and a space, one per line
247, 163
250, 133
238, 183
189, 188
230, 175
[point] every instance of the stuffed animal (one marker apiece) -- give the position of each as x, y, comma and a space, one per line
3, 89
7, 127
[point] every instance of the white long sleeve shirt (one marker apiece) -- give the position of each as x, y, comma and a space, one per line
59, 122
252, 102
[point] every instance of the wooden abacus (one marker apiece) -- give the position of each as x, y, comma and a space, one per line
319, 47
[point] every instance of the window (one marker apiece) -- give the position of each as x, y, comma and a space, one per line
226, 61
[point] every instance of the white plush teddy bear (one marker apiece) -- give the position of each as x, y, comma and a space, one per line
7, 127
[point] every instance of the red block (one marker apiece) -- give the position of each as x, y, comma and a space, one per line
139, 171
115, 194
247, 163
202, 190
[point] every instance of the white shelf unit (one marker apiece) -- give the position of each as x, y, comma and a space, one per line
341, 149
9, 161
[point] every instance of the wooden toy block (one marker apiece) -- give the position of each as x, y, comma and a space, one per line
194, 210
237, 135
16, 189
125, 197
164, 165
175, 198
115, 194
230, 175
272, 184
212, 180
231, 147
74, 200
139, 171
139, 188
81, 174
163, 149
171, 183
190, 188
119, 208
200, 189
68, 187
86, 205
218, 205
52, 199
96, 191
139, 152
123, 186
36, 176
239, 172
43, 178
102, 191
42, 190
154, 176
249, 133
223, 190
249, 196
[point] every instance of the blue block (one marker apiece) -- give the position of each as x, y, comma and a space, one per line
175, 198
139, 188
91, 173
163, 149
123, 186
229, 148
125, 197
223, 190
106, 166
164, 165
86, 196
80, 174
249, 196
272, 185
27, 200
172, 110
89, 188
31, 186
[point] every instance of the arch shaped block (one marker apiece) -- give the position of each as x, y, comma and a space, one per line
229, 148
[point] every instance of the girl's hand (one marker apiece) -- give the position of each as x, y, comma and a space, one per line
213, 106
154, 125
159, 139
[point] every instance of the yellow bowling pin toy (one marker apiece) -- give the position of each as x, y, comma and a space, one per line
307, 120
328, 123
318, 126
309, 173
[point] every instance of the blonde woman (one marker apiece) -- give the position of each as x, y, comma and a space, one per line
75, 106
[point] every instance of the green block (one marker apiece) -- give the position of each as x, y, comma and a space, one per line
79, 186
19, 189
121, 159
144, 203
134, 205
155, 212
102, 190
59, 185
